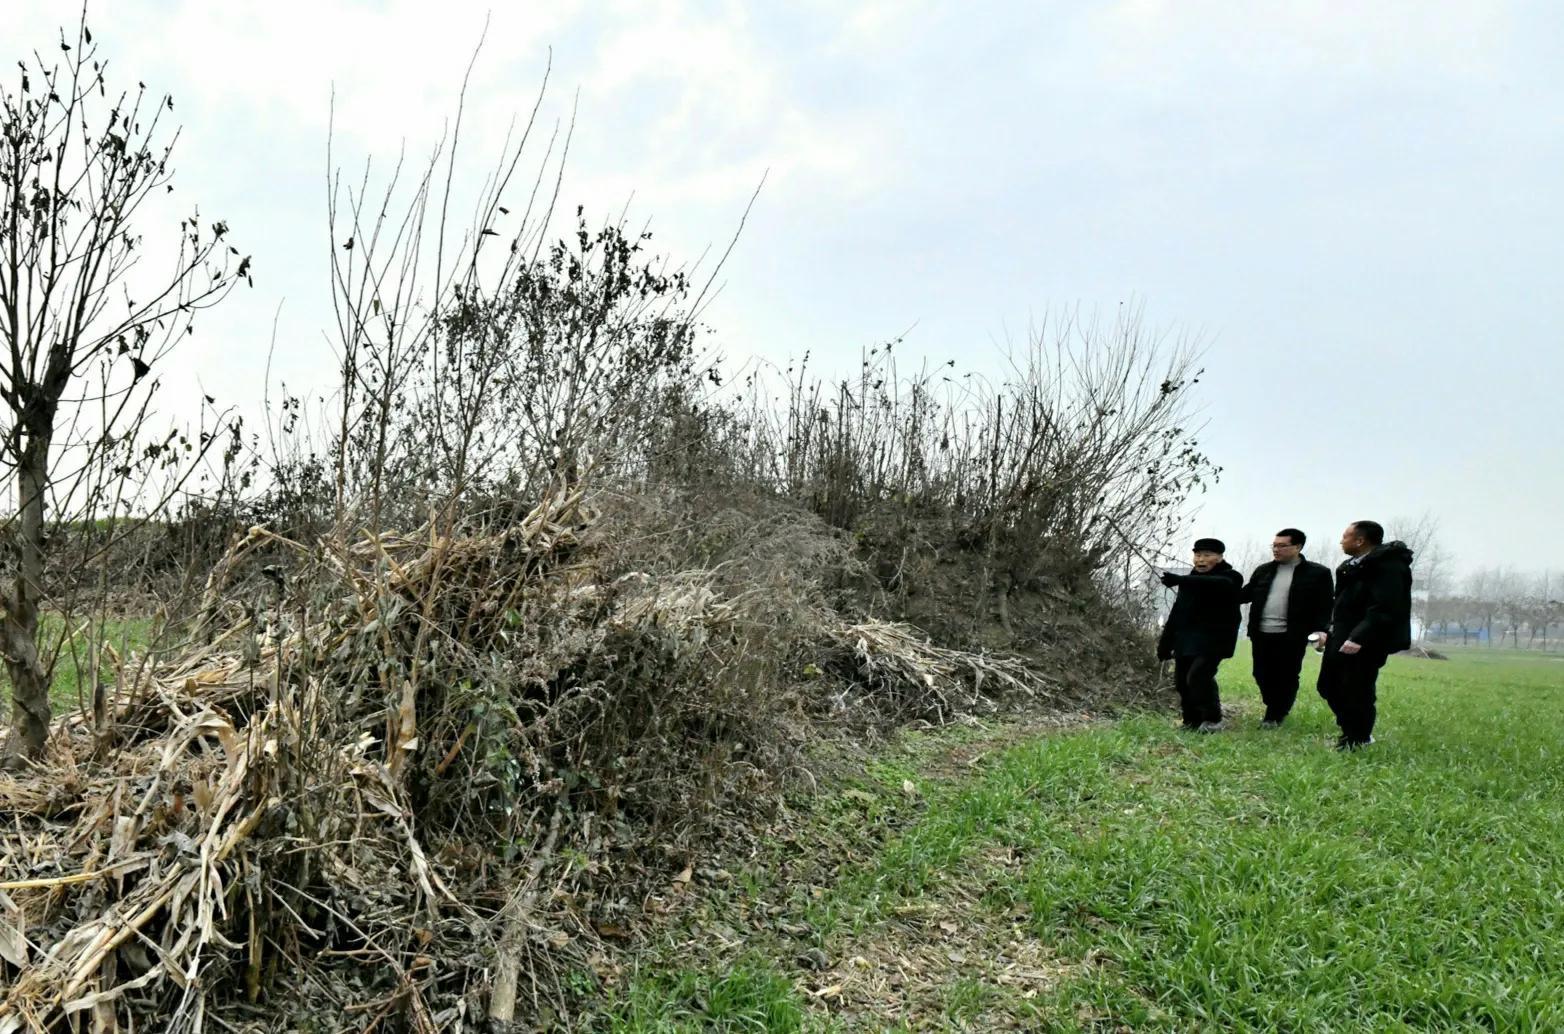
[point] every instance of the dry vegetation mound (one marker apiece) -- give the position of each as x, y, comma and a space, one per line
411, 780
457, 666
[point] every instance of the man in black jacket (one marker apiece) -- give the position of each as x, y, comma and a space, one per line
1372, 619
1288, 598
1201, 631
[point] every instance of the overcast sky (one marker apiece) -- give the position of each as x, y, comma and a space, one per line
1355, 207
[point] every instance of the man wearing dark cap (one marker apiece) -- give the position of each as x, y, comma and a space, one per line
1371, 619
1289, 598
1201, 631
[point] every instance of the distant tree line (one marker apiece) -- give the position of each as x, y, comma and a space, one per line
1498, 607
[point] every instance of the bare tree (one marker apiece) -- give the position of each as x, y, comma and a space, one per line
1421, 534
1550, 604
1516, 603
1536, 609
1483, 594
1248, 554
81, 327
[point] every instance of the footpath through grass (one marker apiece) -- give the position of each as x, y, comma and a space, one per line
1130, 877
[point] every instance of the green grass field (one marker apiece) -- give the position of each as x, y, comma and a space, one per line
67, 689
1132, 877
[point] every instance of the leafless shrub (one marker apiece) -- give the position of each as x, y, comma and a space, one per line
1064, 471
83, 328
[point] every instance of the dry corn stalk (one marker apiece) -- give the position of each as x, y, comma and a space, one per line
182, 830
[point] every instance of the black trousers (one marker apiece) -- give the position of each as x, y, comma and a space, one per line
1195, 679
1278, 658
1349, 684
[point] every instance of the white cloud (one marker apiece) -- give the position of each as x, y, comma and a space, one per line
725, 110
1154, 42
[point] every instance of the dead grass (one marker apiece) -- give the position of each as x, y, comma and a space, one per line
853, 959
435, 777
944, 959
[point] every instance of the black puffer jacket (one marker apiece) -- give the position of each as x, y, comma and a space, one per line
1308, 602
1204, 619
1374, 600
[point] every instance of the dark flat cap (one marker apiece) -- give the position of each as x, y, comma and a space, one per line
1210, 546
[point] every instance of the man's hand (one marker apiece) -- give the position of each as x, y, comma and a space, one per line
1319, 639
1170, 579
1349, 648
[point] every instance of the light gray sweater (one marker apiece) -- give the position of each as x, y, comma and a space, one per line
1273, 616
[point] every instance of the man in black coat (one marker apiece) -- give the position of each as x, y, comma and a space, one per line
1201, 631
1372, 619
1289, 598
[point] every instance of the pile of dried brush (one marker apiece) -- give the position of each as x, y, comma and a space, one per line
411, 786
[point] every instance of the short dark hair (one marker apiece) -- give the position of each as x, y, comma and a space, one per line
1294, 536
1371, 531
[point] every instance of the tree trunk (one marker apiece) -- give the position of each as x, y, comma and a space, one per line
29, 681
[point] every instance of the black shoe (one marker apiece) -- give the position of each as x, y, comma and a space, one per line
1345, 744
1271, 723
